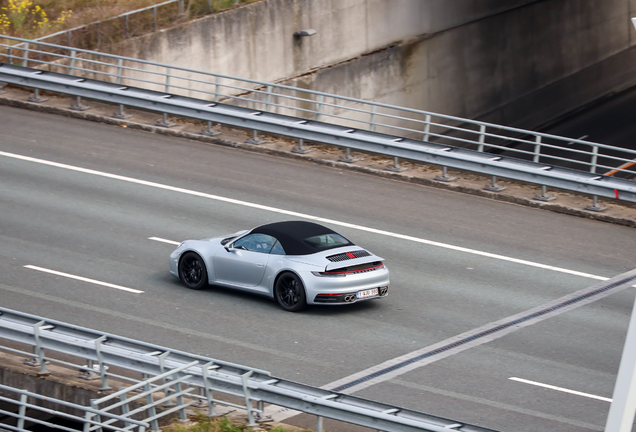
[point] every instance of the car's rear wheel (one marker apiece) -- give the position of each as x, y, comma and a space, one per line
290, 292
192, 271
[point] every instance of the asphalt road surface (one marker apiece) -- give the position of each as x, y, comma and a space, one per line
84, 199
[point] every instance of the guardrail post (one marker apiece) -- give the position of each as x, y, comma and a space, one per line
165, 122
162, 366
38, 350
9, 55
36, 96
100, 360
209, 131
208, 388
444, 177
537, 149
544, 196
427, 127
482, 138
254, 140
494, 187
121, 114
300, 149
319, 424
347, 157
396, 166
595, 207
154, 17
78, 105
126, 26
248, 399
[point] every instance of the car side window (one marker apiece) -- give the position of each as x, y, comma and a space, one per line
255, 243
277, 249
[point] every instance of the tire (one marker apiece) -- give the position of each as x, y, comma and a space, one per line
290, 292
192, 271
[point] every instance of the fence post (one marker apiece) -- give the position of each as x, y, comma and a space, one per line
154, 16
25, 60
268, 97
594, 159
181, 7
167, 86
71, 69
482, 138
319, 101
537, 149
427, 127
120, 63
372, 119
22, 412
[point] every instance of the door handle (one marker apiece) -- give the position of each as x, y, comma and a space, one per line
260, 265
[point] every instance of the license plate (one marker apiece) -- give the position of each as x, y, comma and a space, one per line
367, 293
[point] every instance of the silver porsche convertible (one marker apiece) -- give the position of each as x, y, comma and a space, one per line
296, 263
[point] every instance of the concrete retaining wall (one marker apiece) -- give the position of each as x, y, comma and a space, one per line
517, 62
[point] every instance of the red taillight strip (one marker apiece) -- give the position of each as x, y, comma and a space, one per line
355, 271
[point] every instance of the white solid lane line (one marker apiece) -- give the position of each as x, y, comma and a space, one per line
162, 240
83, 279
561, 389
301, 215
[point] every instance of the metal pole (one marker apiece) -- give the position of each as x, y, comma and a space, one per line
300, 149
482, 138
537, 149
444, 177
427, 128
623, 407
347, 158
372, 119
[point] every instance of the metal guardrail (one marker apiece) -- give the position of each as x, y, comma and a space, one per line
517, 154
99, 353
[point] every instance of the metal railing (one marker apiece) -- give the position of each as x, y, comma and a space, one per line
95, 355
356, 118
30, 407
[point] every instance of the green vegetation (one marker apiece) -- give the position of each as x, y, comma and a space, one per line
30, 19
207, 424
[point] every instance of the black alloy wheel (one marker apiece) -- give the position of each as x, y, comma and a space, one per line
290, 292
192, 271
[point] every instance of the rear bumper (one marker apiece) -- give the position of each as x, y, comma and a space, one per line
348, 298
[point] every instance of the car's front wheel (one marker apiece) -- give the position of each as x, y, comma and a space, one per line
192, 271
290, 292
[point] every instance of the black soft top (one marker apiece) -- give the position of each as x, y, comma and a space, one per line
291, 234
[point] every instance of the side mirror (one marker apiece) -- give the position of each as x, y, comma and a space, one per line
229, 247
